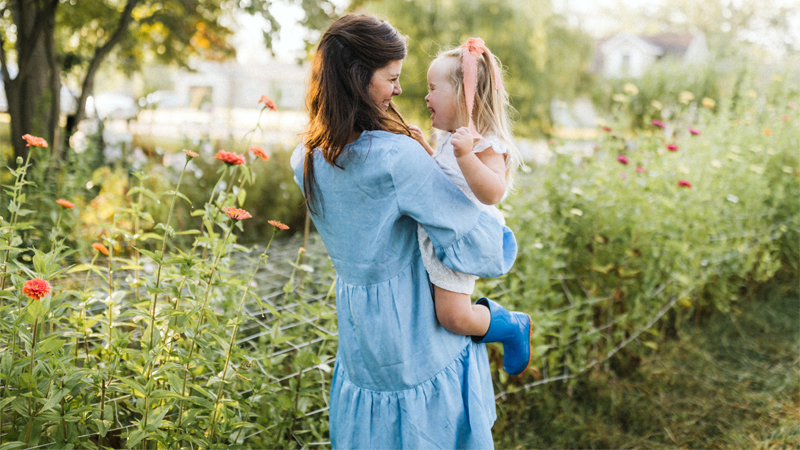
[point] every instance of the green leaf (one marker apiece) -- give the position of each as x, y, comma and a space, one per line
51, 345
135, 437
138, 389
149, 254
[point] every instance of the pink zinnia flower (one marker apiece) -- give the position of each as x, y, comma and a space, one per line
36, 288
641, 169
658, 123
694, 131
268, 103
672, 147
34, 141
278, 225
190, 154
785, 118
229, 158
684, 183
623, 159
236, 213
606, 128
258, 151
624, 177
793, 105
65, 203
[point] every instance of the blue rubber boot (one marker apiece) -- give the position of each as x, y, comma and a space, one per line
511, 328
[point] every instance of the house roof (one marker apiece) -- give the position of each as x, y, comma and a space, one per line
673, 44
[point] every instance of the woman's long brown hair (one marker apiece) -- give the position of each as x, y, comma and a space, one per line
338, 101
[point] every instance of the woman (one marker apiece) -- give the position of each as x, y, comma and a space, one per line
400, 380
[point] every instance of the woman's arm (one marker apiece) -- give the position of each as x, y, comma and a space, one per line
464, 237
485, 172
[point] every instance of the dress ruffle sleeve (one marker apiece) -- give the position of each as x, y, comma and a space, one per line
466, 238
490, 141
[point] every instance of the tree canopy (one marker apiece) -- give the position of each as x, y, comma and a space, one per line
543, 57
47, 41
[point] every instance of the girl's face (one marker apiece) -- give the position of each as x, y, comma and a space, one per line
442, 97
385, 84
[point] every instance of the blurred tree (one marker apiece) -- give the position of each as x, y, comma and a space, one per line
42, 41
543, 57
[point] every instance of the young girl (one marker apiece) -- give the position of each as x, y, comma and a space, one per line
469, 105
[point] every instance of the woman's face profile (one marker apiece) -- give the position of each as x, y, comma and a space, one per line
385, 84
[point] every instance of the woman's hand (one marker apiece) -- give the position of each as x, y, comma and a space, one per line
416, 133
462, 141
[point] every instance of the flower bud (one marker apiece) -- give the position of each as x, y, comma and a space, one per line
19, 160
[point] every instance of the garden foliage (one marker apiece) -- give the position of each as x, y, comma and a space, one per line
126, 324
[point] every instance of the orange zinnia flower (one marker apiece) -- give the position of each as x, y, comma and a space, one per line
190, 154
767, 132
65, 203
268, 103
36, 288
34, 141
229, 158
100, 248
258, 151
278, 225
236, 213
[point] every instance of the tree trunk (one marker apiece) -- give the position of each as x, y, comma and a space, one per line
29, 94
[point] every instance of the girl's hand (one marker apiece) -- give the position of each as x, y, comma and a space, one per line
462, 141
416, 133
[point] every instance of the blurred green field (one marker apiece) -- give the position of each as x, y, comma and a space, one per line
732, 382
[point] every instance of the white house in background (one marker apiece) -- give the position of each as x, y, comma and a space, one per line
234, 85
629, 55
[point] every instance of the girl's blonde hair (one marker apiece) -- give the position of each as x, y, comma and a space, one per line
491, 109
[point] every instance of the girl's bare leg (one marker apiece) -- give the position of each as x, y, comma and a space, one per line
457, 313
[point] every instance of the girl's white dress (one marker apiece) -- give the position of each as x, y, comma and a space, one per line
441, 275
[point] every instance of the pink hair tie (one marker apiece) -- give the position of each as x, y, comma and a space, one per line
469, 61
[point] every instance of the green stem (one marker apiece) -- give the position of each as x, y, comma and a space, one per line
233, 337
154, 303
286, 289
201, 321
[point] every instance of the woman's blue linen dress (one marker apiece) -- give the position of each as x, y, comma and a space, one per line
400, 379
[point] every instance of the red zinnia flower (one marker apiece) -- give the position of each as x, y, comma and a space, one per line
36, 288
694, 131
229, 158
278, 225
672, 147
258, 151
65, 203
658, 123
236, 213
623, 159
684, 183
606, 128
268, 103
190, 154
34, 141
100, 248
641, 169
